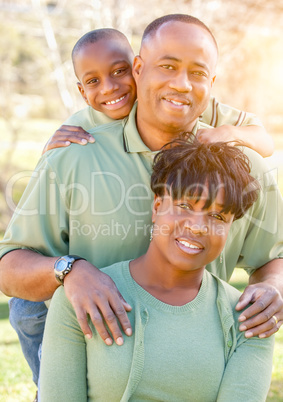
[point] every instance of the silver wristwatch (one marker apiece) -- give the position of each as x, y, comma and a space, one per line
64, 265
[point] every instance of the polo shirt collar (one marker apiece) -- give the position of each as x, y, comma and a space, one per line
132, 138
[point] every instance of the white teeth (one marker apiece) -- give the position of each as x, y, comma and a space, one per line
185, 243
115, 101
176, 103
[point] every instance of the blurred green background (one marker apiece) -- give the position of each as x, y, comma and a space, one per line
38, 92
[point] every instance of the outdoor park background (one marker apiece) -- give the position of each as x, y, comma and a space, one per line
38, 91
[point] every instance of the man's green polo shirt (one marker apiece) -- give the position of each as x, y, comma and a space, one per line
95, 201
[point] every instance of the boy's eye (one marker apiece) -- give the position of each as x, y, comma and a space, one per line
93, 81
119, 71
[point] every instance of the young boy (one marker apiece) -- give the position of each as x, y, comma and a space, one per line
102, 62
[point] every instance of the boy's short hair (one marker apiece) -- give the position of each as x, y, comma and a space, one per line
96, 35
184, 167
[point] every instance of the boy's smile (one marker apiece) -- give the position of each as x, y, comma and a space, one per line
104, 69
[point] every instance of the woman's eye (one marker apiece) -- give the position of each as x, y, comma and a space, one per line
185, 206
218, 217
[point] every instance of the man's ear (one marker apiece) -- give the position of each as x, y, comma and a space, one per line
213, 80
82, 92
156, 205
137, 67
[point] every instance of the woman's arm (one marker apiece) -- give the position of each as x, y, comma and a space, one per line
63, 368
247, 374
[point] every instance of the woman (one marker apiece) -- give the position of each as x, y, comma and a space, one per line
186, 345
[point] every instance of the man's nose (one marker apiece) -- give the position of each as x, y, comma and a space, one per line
181, 82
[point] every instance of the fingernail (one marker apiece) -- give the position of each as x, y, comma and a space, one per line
242, 327
67, 142
119, 341
84, 141
248, 334
242, 318
108, 341
91, 139
128, 332
262, 336
88, 336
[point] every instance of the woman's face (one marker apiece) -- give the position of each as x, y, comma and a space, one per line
185, 234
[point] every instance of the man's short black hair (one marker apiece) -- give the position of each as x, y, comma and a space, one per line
153, 27
185, 167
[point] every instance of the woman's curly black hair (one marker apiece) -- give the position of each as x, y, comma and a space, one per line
185, 166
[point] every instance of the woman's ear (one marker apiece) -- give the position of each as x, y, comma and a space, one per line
82, 91
156, 205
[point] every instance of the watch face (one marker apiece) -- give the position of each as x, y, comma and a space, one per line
61, 265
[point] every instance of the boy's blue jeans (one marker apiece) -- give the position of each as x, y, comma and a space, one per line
28, 320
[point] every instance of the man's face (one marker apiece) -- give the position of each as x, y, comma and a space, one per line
104, 69
174, 75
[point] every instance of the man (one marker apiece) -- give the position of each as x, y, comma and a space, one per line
94, 201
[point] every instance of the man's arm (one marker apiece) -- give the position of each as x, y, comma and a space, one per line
265, 291
29, 275
254, 137
42, 222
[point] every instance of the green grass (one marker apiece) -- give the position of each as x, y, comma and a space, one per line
16, 383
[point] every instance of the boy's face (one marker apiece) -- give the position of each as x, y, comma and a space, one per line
104, 69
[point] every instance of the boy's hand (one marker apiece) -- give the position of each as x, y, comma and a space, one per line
265, 316
214, 134
93, 293
67, 135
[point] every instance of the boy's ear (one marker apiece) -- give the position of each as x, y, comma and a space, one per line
82, 92
137, 67
156, 204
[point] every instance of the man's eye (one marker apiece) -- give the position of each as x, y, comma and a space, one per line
167, 66
200, 73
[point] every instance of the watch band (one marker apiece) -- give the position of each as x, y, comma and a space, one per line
69, 260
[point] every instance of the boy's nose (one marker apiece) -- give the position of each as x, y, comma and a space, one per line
108, 87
